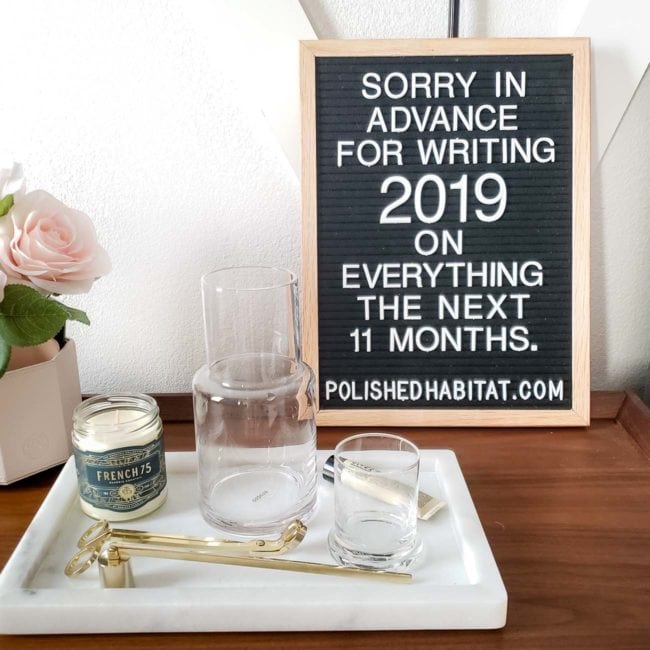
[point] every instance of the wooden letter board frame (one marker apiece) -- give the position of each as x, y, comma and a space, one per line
578, 48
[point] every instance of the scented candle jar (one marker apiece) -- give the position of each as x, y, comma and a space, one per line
119, 456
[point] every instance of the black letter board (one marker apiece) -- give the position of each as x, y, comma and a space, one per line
445, 231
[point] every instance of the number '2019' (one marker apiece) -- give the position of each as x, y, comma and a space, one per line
431, 210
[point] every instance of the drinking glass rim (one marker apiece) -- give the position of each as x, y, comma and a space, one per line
292, 278
380, 434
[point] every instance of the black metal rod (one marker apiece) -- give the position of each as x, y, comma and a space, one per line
454, 11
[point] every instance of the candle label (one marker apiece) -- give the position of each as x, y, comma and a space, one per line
124, 479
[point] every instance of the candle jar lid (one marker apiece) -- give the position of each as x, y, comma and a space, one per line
119, 455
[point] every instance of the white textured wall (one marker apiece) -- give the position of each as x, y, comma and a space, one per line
131, 112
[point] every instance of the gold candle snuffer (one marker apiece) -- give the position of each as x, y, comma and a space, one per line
92, 541
115, 570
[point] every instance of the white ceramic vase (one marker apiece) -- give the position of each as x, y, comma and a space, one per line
36, 404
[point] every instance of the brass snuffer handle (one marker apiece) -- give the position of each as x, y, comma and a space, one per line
115, 570
92, 541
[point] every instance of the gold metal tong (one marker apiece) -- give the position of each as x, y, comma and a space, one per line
92, 541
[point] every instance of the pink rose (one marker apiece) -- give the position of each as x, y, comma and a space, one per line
3, 284
54, 247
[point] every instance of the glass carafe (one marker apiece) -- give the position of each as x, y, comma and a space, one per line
253, 404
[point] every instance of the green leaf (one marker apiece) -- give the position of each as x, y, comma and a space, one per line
74, 314
5, 353
28, 317
5, 204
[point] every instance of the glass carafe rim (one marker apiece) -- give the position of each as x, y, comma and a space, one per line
208, 278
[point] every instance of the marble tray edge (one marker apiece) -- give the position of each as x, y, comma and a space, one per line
16, 599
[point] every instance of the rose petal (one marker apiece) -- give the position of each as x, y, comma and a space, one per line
3, 284
12, 180
62, 286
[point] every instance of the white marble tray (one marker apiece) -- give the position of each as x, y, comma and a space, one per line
458, 585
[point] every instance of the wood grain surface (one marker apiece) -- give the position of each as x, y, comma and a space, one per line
565, 512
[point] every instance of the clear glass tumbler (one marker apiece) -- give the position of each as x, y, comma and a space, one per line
253, 404
375, 502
